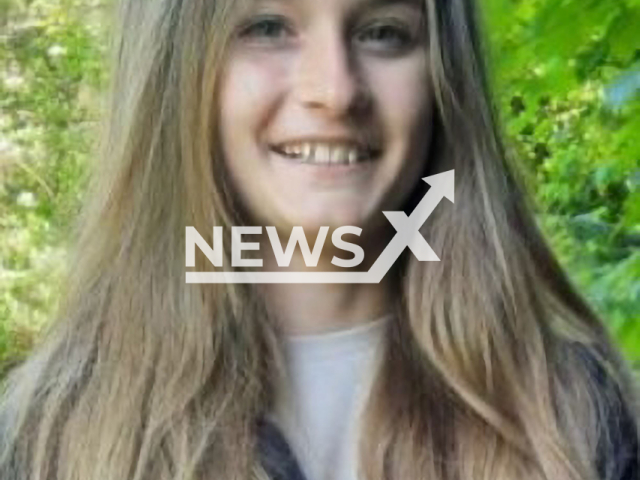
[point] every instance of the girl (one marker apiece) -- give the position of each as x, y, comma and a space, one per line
484, 365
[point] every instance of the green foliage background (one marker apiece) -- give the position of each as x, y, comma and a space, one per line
567, 83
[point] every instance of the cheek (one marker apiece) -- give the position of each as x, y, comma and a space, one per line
249, 90
404, 98
403, 95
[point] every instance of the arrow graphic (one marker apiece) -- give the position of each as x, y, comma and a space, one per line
407, 235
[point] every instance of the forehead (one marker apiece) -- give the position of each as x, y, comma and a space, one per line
341, 5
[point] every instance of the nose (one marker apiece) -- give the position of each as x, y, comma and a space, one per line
326, 79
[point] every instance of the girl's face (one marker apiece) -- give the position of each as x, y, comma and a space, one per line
326, 110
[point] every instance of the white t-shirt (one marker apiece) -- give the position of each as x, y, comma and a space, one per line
330, 375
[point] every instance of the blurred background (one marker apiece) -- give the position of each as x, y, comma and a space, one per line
567, 83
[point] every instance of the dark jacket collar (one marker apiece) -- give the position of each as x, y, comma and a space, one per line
280, 462
275, 453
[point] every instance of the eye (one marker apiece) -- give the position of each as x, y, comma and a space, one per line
270, 29
386, 37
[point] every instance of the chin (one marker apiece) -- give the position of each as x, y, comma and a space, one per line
312, 219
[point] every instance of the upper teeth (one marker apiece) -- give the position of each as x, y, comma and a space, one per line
324, 152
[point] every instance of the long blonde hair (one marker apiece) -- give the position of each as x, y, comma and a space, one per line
493, 369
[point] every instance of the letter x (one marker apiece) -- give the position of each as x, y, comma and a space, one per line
408, 229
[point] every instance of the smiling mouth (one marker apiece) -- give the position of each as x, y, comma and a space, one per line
326, 154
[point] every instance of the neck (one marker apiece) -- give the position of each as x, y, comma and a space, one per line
304, 309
